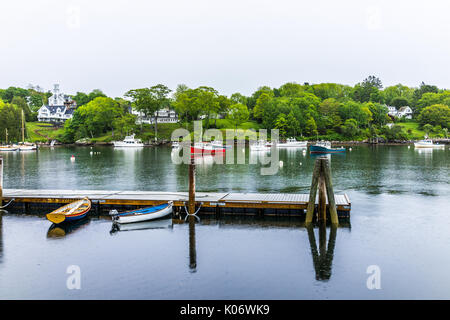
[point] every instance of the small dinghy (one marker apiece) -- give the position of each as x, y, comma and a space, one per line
144, 214
71, 212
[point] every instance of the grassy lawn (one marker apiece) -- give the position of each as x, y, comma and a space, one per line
414, 127
38, 131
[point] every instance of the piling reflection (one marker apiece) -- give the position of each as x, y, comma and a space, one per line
323, 257
63, 229
192, 246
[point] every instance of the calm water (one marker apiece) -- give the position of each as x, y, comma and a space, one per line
400, 222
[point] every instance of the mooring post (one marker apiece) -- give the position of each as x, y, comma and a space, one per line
322, 178
1, 181
330, 192
313, 192
191, 206
322, 208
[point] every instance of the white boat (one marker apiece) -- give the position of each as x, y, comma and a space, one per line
260, 145
129, 141
175, 145
145, 214
427, 143
27, 147
7, 148
292, 143
217, 144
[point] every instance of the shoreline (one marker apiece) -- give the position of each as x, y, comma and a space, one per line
168, 143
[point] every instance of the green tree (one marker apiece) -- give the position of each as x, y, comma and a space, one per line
293, 125
281, 124
427, 128
350, 128
238, 113
438, 114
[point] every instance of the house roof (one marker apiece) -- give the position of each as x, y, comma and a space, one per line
404, 109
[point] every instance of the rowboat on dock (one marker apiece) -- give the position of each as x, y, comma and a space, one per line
70, 212
324, 147
144, 214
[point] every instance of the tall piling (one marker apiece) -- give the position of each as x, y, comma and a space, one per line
322, 178
191, 205
1, 181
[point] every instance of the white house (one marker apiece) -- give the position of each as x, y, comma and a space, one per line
403, 112
164, 116
60, 108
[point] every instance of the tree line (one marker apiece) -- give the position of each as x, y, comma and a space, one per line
325, 111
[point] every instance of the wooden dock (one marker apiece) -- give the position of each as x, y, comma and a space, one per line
218, 200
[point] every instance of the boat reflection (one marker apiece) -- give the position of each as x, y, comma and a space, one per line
192, 245
62, 229
145, 225
322, 258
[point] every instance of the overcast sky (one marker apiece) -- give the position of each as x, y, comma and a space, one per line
231, 45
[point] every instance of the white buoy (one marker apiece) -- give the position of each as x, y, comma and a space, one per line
350, 149
281, 163
72, 158
91, 153
409, 147
300, 163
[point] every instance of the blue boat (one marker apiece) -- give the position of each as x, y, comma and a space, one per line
325, 147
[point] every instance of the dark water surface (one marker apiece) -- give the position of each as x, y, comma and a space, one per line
400, 222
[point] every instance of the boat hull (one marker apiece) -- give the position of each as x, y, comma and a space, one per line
137, 216
416, 145
319, 149
59, 216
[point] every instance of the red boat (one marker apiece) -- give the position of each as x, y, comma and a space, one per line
206, 148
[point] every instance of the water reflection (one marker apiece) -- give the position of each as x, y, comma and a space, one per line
323, 257
192, 246
62, 229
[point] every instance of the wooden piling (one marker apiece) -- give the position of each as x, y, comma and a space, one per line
330, 192
1, 181
322, 178
191, 206
313, 191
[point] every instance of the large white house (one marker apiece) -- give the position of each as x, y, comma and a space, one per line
164, 116
60, 108
403, 112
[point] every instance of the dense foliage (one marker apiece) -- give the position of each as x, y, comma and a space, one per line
325, 110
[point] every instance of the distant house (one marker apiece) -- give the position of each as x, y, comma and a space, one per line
403, 112
60, 108
392, 111
164, 116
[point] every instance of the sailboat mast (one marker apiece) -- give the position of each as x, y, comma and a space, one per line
23, 129
6, 133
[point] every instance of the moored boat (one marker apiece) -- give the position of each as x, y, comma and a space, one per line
206, 148
8, 148
144, 214
292, 143
70, 212
324, 147
427, 143
129, 141
260, 145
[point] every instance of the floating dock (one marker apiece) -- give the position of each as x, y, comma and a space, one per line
216, 202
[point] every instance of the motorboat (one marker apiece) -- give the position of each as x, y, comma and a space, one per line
292, 143
260, 145
324, 147
206, 148
427, 143
27, 146
129, 141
